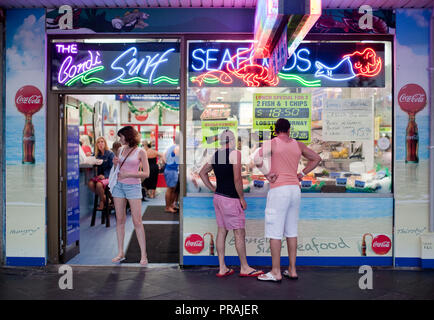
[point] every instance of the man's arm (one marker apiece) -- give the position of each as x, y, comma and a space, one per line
313, 159
207, 167
235, 160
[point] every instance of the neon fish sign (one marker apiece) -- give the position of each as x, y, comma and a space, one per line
219, 65
115, 67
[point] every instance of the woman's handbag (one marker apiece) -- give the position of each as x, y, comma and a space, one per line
113, 177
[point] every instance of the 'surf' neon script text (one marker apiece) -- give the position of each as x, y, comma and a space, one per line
127, 60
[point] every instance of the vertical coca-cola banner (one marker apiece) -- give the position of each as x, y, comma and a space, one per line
25, 227
412, 128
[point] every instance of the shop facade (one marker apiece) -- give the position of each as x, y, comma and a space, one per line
367, 203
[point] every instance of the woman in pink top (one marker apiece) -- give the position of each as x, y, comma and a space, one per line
283, 199
129, 187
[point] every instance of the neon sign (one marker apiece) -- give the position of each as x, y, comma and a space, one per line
312, 65
117, 65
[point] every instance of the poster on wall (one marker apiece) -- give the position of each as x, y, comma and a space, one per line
296, 107
25, 227
348, 119
412, 127
351, 231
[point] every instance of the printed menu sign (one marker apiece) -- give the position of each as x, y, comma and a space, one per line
296, 107
211, 131
348, 120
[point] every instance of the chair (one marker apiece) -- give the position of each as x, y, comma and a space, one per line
105, 212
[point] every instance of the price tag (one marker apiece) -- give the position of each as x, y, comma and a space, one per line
359, 184
306, 184
341, 182
335, 175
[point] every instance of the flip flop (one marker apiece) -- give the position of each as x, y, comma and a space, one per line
287, 275
268, 277
228, 273
118, 259
254, 273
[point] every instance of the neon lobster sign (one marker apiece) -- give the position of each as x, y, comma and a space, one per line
223, 67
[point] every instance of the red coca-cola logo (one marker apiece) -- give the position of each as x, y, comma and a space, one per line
194, 244
28, 100
412, 98
381, 244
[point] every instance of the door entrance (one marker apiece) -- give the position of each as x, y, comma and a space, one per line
92, 221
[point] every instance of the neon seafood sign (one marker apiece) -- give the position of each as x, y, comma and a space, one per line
312, 65
115, 65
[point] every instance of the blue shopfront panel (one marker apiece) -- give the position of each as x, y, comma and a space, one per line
331, 232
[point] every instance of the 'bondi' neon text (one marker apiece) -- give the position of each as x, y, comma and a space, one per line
69, 70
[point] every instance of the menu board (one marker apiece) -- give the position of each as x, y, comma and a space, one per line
296, 107
73, 176
212, 129
348, 120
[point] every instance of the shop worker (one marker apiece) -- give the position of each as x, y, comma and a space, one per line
283, 199
229, 203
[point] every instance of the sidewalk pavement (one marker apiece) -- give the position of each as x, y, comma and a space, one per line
170, 282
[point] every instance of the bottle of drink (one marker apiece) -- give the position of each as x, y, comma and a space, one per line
412, 141
211, 247
28, 141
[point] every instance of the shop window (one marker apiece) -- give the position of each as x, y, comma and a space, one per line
347, 117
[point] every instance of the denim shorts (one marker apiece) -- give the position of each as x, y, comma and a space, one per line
127, 191
171, 177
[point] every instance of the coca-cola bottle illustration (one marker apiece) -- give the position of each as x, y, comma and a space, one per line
28, 142
412, 99
28, 101
364, 243
211, 243
412, 141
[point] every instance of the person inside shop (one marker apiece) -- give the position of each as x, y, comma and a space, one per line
104, 161
229, 202
115, 148
85, 145
128, 188
283, 199
171, 175
150, 184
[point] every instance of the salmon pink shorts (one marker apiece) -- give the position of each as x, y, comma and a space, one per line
229, 213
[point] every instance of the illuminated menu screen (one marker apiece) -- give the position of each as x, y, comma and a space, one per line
90, 66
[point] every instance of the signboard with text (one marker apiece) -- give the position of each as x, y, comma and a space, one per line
313, 64
88, 66
296, 107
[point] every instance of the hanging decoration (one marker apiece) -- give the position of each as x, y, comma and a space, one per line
141, 114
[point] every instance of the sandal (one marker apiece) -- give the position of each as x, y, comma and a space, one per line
227, 273
142, 262
268, 277
118, 259
287, 275
254, 273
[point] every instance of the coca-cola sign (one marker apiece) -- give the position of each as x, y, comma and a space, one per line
381, 244
194, 244
28, 100
412, 98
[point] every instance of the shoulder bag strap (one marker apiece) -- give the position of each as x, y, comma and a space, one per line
126, 158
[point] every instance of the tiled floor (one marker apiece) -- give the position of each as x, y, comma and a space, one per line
98, 244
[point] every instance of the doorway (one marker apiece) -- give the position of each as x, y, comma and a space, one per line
87, 222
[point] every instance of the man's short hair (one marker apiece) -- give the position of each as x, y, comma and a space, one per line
226, 136
282, 125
